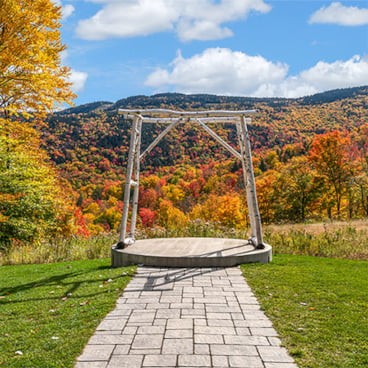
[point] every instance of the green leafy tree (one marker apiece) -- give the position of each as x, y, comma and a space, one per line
33, 203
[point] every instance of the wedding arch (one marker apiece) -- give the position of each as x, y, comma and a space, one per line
172, 119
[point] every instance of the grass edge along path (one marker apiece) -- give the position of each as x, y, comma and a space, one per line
48, 312
318, 306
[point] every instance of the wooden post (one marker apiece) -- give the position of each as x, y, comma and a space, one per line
255, 218
128, 181
136, 179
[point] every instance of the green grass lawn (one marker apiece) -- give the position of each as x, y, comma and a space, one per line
319, 306
48, 312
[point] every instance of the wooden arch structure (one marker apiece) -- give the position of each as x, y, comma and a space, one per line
172, 119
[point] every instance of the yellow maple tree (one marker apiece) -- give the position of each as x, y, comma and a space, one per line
32, 78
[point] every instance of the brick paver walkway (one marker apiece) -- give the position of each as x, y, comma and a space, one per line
205, 317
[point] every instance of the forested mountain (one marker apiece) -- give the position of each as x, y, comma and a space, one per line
89, 144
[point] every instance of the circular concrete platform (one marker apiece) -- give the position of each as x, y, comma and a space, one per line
190, 252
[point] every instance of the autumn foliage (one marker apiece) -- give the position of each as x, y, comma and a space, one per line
32, 79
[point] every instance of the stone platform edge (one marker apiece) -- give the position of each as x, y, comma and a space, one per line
122, 258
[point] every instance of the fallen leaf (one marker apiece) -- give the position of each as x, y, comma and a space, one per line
69, 294
302, 303
2, 297
18, 352
311, 308
52, 292
84, 303
52, 310
109, 280
73, 305
64, 298
54, 338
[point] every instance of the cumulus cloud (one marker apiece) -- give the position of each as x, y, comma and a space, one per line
227, 72
336, 13
220, 70
78, 79
190, 19
67, 10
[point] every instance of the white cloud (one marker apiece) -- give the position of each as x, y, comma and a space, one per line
342, 15
190, 19
227, 72
78, 79
66, 10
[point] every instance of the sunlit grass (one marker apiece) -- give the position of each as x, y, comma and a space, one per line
49, 311
318, 306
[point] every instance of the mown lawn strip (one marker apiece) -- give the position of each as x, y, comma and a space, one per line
318, 306
49, 311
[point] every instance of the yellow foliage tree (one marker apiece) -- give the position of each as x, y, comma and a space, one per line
32, 79
171, 217
227, 210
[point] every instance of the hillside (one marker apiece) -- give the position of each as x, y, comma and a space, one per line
89, 144
91, 140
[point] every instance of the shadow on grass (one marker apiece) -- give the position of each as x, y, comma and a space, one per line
57, 280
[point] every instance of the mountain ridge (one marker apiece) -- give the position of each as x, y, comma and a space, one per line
182, 100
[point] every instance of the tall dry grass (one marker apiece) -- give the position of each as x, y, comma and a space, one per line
334, 239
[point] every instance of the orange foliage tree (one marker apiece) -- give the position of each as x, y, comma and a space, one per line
330, 157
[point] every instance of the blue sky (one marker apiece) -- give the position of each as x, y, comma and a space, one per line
120, 48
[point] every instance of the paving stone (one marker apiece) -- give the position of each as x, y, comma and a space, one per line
149, 330
201, 349
246, 340
274, 341
111, 339
243, 331
113, 332
177, 346
169, 334
218, 315
220, 322
193, 290
91, 365
179, 324
145, 351
130, 330
109, 325
147, 341
96, 352
126, 361
222, 309
206, 330
180, 305
121, 349
168, 313
142, 316
245, 361
263, 331
159, 360
232, 350
274, 354
208, 339
220, 361
194, 360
